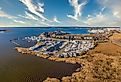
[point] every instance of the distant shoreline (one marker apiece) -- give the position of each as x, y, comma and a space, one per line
61, 27
3, 30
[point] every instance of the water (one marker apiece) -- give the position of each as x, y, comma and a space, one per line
15, 67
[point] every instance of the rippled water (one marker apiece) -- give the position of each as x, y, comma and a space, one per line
15, 67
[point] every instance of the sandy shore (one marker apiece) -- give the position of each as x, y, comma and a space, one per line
102, 64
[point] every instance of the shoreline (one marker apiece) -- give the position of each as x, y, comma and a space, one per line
62, 27
85, 61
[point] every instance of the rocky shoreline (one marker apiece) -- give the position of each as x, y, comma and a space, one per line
25, 51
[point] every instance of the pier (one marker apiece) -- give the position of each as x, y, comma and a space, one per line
17, 44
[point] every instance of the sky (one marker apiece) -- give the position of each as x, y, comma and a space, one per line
50, 13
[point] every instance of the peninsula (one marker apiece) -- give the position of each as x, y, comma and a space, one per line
98, 53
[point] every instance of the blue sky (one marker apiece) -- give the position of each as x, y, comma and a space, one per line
60, 13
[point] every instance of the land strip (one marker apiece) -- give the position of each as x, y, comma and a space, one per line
101, 64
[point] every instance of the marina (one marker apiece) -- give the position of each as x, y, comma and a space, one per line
64, 45
60, 40
68, 47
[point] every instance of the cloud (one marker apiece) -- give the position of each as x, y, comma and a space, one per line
113, 5
77, 8
13, 19
31, 16
28, 16
36, 9
19, 21
5, 15
56, 20
44, 23
101, 19
112, 17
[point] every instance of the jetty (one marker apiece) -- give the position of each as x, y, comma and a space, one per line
17, 44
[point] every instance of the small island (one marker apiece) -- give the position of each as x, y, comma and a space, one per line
3, 30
